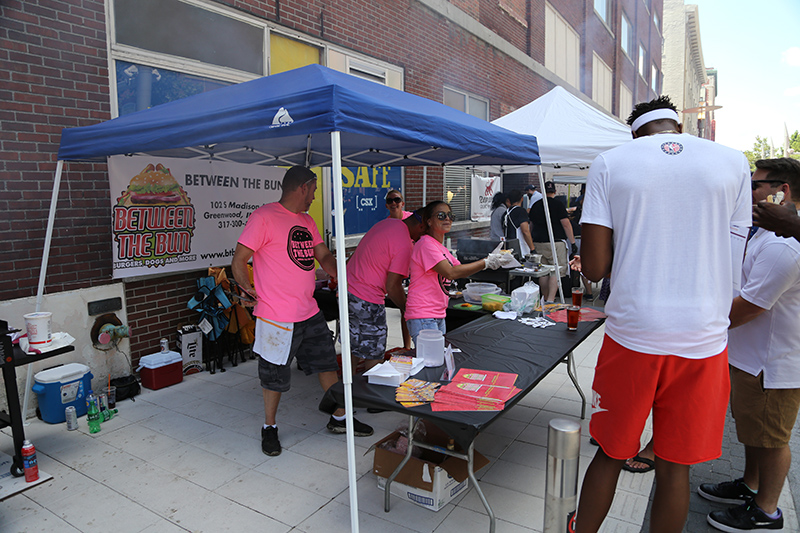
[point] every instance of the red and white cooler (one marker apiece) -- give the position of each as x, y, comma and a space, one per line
161, 369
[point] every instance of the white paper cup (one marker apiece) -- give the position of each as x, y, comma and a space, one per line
37, 326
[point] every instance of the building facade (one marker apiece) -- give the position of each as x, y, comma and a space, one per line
685, 78
71, 63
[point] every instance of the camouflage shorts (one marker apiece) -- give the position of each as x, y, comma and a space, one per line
367, 328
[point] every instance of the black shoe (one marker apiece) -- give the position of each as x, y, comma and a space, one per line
359, 429
734, 492
270, 444
746, 517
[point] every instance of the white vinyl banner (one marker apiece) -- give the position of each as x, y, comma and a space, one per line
172, 215
483, 189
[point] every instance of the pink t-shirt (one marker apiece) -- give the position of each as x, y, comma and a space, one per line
406, 214
283, 262
427, 291
385, 248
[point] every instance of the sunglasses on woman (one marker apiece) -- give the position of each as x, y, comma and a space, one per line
441, 215
395, 200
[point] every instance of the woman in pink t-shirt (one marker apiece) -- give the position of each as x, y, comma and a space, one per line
396, 205
432, 270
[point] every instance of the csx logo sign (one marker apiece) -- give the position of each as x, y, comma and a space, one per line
366, 203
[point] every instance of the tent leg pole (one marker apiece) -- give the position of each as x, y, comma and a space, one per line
48, 237
550, 233
344, 323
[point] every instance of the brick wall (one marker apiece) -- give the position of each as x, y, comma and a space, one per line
157, 307
54, 76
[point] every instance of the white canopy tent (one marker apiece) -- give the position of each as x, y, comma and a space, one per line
570, 133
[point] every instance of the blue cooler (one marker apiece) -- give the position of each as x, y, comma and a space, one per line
60, 387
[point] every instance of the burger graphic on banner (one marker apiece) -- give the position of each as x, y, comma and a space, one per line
154, 185
154, 219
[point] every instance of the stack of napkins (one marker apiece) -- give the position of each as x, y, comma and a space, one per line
394, 371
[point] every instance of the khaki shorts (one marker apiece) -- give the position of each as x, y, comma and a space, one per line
547, 255
764, 417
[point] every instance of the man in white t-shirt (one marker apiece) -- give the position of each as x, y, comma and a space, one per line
283, 241
764, 354
666, 331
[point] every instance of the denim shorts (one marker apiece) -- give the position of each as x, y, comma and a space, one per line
312, 345
415, 325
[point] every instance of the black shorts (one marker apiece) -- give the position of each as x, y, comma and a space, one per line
312, 345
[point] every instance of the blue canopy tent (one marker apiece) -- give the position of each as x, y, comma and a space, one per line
311, 116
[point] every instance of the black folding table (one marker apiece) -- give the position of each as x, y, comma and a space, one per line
486, 344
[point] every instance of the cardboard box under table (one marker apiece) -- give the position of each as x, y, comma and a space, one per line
431, 480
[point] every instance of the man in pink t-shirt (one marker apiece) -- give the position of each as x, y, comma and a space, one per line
283, 241
377, 268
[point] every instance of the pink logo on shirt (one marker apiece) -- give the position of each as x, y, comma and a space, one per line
301, 247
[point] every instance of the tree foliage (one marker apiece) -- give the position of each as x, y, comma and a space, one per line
763, 149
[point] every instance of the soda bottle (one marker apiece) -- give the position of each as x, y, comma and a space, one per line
93, 413
29, 463
108, 414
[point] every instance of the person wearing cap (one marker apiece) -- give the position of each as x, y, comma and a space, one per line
562, 231
530, 197
396, 205
665, 344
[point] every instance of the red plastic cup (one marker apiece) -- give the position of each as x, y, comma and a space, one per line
573, 316
577, 296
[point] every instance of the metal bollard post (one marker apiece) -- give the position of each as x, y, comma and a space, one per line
561, 485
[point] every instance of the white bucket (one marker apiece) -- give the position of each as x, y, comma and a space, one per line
37, 326
430, 346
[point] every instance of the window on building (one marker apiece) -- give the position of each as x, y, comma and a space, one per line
140, 86
562, 47
625, 102
178, 29
601, 83
655, 80
656, 21
603, 9
626, 37
642, 61
366, 68
468, 103
458, 180
646, 4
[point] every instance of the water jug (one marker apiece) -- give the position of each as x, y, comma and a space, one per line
430, 346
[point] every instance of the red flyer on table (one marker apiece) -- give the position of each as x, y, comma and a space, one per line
485, 377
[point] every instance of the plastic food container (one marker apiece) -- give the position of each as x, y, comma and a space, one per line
474, 291
494, 302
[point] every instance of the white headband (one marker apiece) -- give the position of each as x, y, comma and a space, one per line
655, 114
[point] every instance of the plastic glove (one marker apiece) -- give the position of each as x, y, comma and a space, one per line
573, 249
506, 259
493, 261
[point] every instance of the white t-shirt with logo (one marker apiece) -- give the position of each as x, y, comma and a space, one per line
771, 341
670, 201
283, 262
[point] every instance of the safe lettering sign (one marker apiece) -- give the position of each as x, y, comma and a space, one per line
483, 190
363, 194
172, 215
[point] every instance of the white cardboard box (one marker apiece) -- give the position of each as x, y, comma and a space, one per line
430, 481
190, 345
